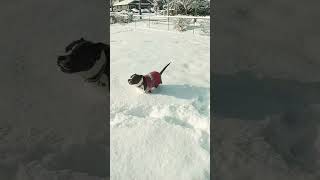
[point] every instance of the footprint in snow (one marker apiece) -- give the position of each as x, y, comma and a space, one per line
201, 104
176, 121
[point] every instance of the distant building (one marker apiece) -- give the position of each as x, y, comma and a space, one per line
120, 5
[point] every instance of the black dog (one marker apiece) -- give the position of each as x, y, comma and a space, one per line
84, 58
147, 82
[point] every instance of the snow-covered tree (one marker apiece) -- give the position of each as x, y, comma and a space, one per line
112, 2
161, 3
194, 7
200, 7
186, 4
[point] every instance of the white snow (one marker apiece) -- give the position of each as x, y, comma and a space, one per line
163, 135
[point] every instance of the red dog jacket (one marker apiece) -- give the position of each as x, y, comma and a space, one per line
153, 79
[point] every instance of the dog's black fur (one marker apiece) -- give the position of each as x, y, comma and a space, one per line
84, 55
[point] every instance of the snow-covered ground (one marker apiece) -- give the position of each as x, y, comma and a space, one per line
163, 135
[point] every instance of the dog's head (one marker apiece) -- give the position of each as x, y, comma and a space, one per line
135, 79
82, 58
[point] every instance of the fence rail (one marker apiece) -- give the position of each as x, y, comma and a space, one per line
188, 24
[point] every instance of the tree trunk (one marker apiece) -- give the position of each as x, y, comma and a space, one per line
140, 9
111, 4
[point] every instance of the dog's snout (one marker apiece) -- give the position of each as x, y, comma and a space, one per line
64, 63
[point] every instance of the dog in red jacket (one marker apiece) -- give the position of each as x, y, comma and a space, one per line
147, 82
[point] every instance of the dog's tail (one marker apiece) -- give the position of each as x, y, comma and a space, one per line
164, 68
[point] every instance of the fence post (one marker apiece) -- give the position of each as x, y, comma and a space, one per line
168, 22
194, 24
128, 17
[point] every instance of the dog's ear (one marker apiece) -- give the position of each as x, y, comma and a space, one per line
102, 46
72, 44
133, 75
